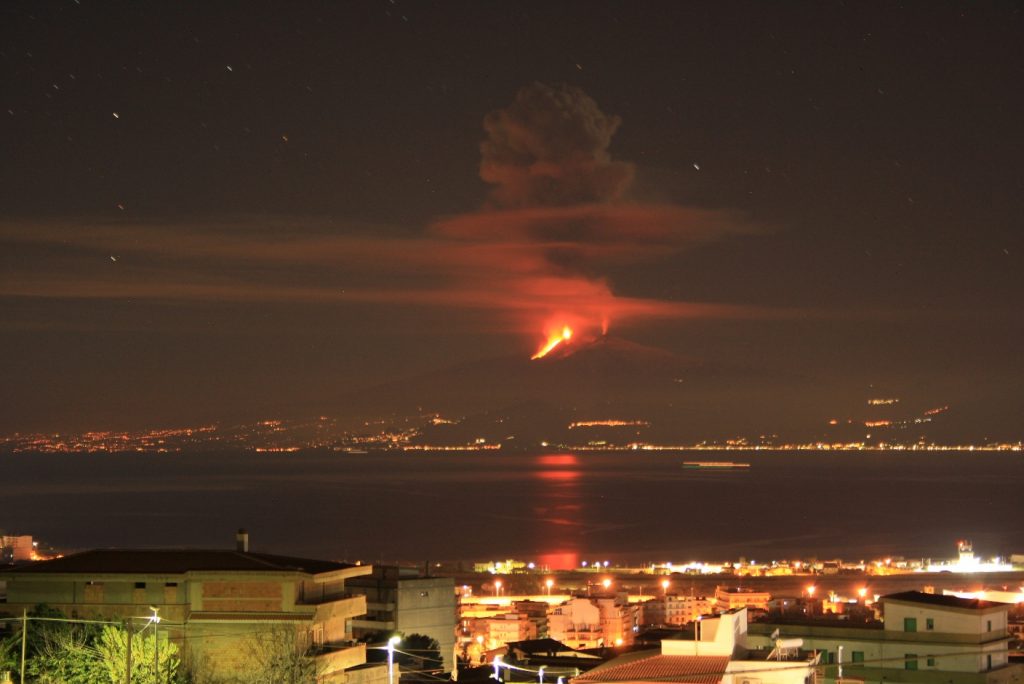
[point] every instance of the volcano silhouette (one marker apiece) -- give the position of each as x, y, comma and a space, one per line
600, 379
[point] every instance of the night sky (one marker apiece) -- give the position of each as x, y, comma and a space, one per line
216, 209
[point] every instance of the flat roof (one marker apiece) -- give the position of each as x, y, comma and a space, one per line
173, 562
941, 600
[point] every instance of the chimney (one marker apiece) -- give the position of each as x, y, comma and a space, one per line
242, 540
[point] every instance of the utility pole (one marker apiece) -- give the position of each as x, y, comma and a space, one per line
156, 652
24, 635
128, 654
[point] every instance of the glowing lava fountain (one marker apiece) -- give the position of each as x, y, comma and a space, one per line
553, 341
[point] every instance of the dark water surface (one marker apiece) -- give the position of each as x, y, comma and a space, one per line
626, 507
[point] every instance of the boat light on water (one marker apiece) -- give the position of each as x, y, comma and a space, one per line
716, 465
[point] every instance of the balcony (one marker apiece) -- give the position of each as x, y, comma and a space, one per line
344, 608
334, 657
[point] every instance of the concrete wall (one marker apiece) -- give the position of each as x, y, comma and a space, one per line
950, 621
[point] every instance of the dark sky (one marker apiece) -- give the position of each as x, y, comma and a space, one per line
215, 208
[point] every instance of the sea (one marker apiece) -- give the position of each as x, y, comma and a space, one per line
555, 508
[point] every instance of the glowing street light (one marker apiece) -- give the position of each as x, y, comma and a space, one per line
862, 592
664, 587
155, 621
540, 675
497, 587
810, 590
606, 583
497, 668
392, 642
549, 583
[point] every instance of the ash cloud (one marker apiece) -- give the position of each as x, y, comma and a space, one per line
550, 148
541, 251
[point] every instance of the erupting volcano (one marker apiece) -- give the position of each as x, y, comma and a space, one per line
554, 340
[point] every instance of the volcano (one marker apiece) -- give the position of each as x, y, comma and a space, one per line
609, 378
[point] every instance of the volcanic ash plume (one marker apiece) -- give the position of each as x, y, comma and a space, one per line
550, 148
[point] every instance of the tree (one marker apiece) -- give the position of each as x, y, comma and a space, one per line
420, 658
280, 655
111, 648
9, 652
63, 652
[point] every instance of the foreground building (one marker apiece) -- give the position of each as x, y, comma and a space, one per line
226, 610
401, 600
717, 655
924, 639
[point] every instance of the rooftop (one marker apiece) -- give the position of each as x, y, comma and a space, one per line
652, 666
940, 600
175, 561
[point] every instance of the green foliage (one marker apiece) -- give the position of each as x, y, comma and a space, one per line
63, 651
10, 652
111, 648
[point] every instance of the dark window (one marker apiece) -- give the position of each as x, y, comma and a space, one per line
929, 624
909, 661
989, 626
909, 624
140, 585
990, 661
858, 656
170, 584
931, 661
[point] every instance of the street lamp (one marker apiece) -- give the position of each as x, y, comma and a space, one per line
549, 583
606, 583
540, 674
155, 621
664, 587
392, 642
497, 668
497, 587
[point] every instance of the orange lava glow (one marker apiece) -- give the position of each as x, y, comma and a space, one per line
554, 340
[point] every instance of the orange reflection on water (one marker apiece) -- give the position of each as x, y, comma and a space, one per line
560, 560
558, 460
558, 475
559, 509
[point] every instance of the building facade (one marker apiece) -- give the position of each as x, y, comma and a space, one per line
925, 638
224, 609
594, 622
675, 610
400, 600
